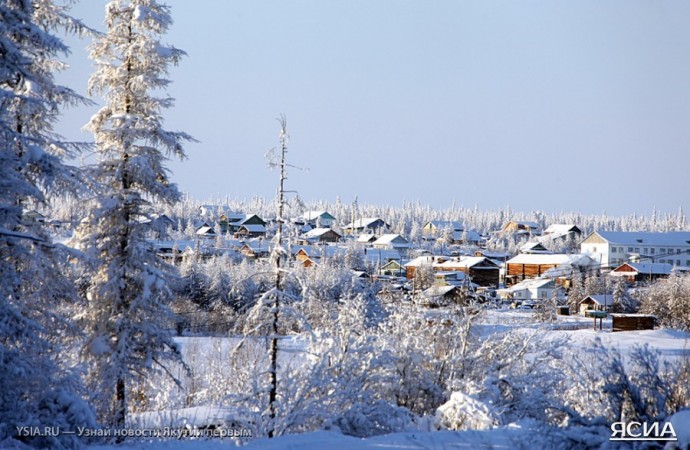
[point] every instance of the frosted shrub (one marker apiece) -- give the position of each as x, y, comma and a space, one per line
463, 412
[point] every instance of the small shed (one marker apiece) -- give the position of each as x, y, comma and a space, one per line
596, 303
632, 322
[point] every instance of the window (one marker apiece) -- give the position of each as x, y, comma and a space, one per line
687, 262
637, 249
677, 262
594, 249
630, 249
613, 249
620, 249
677, 251
652, 250
663, 251
644, 250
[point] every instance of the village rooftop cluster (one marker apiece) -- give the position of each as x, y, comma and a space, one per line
462, 265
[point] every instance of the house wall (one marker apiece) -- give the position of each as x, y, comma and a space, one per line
599, 252
632, 322
519, 272
485, 277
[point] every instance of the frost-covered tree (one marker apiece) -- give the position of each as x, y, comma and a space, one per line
576, 293
128, 296
669, 301
35, 390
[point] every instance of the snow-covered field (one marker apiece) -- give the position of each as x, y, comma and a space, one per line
207, 354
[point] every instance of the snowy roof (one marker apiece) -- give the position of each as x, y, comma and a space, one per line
578, 259
600, 299
258, 246
465, 262
561, 228
438, 291
531, 283
645, 268
534, 247
365, 238
495, 255
421, 260
248, 217
365, 222
394, 239
235, 217
318, 232
671, 238
254, 228
205, 230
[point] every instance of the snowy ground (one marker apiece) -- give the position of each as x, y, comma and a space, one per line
579, 331
505, 438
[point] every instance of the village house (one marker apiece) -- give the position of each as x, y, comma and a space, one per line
320, 235
34, 216
613, 248
231, 222
562, 231
466, 237
205, 231
497, 257
526, 266
533, 289
438, 296
250, 231
533, 248
455, 231
392, 268
367, 224
317, 219
645, 272
256, 249
435, 228
309, 255
172, 251
366, 238
522, 228
392, 242
602, 302
481, 270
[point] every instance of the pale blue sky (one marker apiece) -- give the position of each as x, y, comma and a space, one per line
541, 105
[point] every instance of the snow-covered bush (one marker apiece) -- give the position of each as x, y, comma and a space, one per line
371, 419
464, 412
669, 301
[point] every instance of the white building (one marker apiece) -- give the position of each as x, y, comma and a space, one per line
392, 242
533, 289
613, 248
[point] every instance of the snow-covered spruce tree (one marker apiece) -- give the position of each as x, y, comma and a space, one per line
35, 390
128, 297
